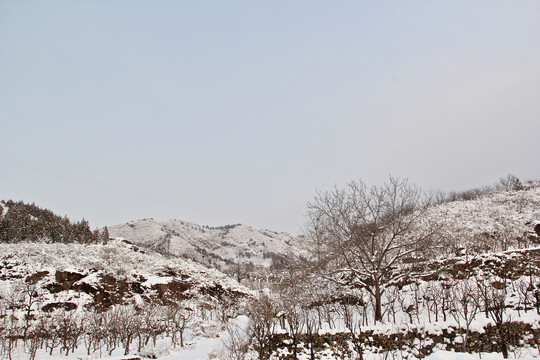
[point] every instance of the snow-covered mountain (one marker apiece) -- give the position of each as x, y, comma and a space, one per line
221, 246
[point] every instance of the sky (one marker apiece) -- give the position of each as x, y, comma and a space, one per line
225, 112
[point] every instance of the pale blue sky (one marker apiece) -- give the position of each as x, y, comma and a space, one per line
222, 112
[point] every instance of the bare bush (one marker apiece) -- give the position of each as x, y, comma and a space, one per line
465, 305
236, 343
178, 318
510, 182
262, 314
493, 300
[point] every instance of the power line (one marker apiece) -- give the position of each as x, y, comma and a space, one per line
66, 176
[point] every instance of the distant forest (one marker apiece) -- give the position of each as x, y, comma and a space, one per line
28, 222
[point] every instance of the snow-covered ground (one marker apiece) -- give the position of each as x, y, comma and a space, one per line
198, 348
450, 355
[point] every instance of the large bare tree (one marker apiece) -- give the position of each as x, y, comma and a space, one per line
362, 233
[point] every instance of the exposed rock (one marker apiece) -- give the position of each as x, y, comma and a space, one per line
68, 306
36, 277
67, 278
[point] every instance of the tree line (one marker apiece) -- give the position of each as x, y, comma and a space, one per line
28, 222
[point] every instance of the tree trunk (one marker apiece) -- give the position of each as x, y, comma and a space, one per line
502, 341
504, 349
378, 303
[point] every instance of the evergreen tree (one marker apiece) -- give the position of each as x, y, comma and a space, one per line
28, 222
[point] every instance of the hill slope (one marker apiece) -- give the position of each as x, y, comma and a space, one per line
221, 247
111, 298
494, 221
88, 272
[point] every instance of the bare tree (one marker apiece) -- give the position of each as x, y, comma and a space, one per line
110, 326
363, 232
35, 338
262, 314
94, 338
510, 182
294, 322
493, 299
351, 312
153, 322
312, 326
236, 343
10, 332
178, 317
465, 305
70, 327
393, 305
23, 295
127, 325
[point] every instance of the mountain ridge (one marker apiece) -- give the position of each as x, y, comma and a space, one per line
222, 247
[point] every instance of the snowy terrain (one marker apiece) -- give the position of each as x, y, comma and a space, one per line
481, 288
44, 285
495, 221
220, 246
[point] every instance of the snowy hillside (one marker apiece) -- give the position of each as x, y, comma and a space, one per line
117, 259
495, 221
221, 247
55, 297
